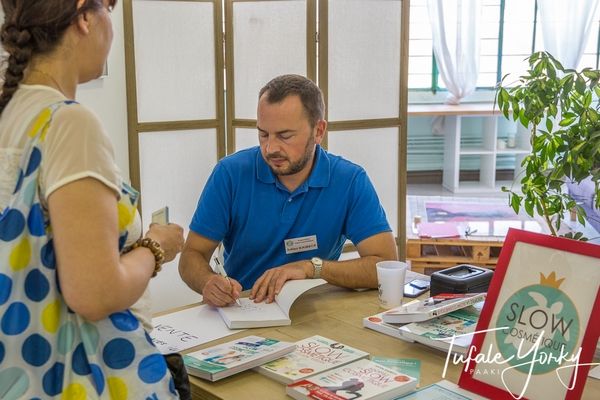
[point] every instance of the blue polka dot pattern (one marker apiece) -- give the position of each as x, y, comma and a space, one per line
5, 288
152, 368
52, 381
124, 321
19, 181
11, 224
98, 378
46, 348
118, 353
47, 255
35, 220
36, 285
80, 364
34, 161
15, 319
36, 350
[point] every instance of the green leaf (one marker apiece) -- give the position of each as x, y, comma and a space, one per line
580, 85
549, 124
567, 121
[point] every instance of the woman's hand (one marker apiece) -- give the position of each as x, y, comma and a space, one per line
170, 238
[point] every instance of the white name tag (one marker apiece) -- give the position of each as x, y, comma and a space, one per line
298, 245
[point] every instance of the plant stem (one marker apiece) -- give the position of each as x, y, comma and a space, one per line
547, 217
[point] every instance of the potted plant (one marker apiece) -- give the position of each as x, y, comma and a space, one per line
560, 108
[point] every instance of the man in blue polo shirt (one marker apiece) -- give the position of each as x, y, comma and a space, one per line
284, 209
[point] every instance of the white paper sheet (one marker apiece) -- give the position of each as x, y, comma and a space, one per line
191, 327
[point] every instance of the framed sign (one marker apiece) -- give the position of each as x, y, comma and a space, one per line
539, 327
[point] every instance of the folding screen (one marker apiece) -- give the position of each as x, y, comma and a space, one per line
265, 38
362, 72
175, 112
177, 96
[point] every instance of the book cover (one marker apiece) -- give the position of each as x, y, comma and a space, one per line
363, 378
442, 390
407, 366
376, 323
436, 230
313, 355
539, 326
217, 362
439, 332
432, 307
257, 315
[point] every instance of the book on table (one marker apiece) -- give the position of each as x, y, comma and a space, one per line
432, 307
258, 315
408, 366
363, 378
313, 355
451, 332
221, 361
376, 323
442, 390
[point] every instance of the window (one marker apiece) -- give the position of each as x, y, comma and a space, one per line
510, 31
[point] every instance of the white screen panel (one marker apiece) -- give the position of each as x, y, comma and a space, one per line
174, 60
269, 39
364, 59
376, 150
174, 167
245, 138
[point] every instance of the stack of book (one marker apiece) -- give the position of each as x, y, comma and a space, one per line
363, 378
312, 356
221, 361
443, 322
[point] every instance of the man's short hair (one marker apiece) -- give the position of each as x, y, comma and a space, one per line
310, 95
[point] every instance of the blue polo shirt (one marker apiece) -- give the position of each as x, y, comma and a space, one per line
246, 207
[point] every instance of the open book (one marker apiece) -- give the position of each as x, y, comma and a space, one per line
257, 315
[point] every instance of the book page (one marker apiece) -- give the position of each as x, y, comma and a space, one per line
253, 312
184, 329
292, 290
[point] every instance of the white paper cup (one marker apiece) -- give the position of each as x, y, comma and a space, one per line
390, 279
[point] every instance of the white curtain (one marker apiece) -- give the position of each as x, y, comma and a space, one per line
455, 34
566, 26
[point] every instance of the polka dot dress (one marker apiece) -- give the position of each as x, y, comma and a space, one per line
46, 350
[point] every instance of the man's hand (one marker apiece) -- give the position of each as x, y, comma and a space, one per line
220, 291
270, 283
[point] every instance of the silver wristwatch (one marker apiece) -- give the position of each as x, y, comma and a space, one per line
317, 265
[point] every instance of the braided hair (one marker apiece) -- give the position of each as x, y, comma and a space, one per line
33, 27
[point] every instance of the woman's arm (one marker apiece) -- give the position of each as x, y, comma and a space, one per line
95, 280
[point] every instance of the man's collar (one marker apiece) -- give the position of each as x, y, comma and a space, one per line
319, 176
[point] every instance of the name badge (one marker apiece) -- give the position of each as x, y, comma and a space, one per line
298, 245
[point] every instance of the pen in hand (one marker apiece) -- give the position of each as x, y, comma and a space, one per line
221, 271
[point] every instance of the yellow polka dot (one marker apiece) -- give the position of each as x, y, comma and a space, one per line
20, 255
126, 215
75, 391
117, 388
44, 131
41, 120
51, 316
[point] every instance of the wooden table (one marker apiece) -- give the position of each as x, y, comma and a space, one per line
335, 313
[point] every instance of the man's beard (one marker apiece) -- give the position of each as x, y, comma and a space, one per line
295, 167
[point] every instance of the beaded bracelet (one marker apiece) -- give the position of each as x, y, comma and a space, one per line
157, 251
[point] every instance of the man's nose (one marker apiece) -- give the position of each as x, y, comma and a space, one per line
272, 145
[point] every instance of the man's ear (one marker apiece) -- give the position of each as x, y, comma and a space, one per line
321, 128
